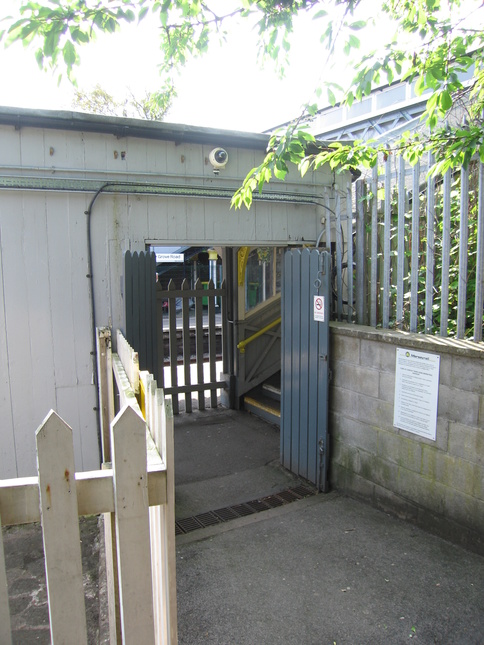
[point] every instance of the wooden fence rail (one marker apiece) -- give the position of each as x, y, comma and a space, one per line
135, 492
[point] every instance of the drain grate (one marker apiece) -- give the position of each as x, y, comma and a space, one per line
288, 496
225, 514
207, 519
302, 491
242, 510
273, 501
258, 505
188, 524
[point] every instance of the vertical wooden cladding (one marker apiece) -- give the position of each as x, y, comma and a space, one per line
46, 323
23, 248
8, 457
10, 148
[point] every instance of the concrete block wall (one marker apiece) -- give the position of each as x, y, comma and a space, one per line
437, 484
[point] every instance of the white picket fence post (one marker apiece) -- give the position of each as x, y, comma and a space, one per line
158, 414
136, 495
128, 441
60, 530
159, 417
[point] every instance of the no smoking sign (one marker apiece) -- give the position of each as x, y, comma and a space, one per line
318, 308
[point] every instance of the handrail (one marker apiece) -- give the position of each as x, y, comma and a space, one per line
243, 343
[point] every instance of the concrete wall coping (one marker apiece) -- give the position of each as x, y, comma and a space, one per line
466, 348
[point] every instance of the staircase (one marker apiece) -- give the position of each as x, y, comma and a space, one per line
264, 401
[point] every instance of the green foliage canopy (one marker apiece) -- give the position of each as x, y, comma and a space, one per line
433, 42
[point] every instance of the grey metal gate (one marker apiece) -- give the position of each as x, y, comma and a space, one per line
305, 371
140, 301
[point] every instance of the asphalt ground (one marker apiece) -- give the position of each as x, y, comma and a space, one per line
323, 570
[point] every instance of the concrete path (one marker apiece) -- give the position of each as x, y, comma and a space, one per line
324, 570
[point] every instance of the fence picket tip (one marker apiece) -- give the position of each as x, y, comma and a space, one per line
125, 413
52, 417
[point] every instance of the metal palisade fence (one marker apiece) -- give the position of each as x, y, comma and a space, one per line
408, 250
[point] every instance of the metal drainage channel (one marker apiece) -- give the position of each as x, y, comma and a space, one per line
242, 510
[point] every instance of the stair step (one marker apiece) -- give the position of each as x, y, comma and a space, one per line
272, 391
264, 408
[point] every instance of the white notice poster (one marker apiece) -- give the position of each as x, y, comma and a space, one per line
318, 308
416, 392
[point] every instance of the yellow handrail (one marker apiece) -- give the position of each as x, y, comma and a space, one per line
243, 343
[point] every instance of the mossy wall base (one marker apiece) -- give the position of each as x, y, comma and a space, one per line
437, 484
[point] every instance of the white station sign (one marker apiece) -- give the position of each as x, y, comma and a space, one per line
169, 257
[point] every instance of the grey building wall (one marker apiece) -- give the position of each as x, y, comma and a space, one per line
437, 484
51, 166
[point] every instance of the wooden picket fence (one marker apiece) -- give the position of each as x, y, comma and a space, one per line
134, 491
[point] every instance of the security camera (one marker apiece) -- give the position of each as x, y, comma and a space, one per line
218, 158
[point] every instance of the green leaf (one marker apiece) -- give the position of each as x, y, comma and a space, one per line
280, 170
142, 13
111, 25
304, 166
296, 147
359, 24
312, 109
445, 100
39, 57
303, 136
69, 54
354, 41
50, 43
